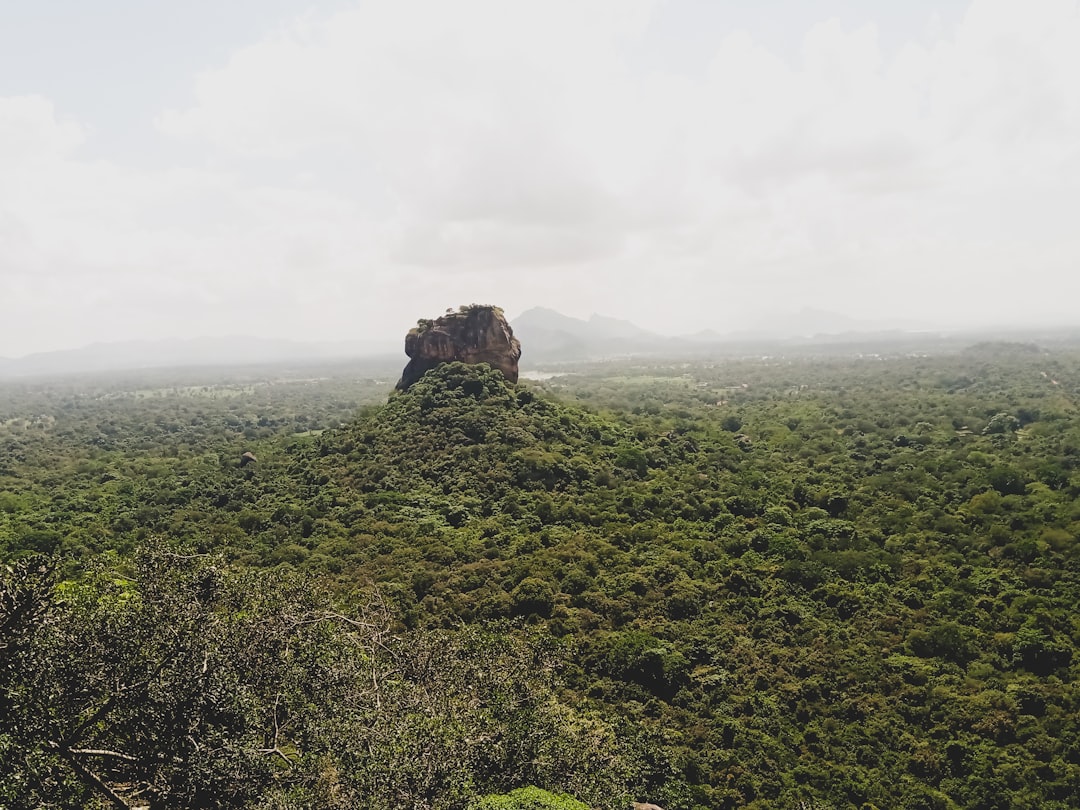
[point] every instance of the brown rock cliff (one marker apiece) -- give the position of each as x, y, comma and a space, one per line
473, 334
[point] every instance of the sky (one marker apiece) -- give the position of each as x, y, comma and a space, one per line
336, 169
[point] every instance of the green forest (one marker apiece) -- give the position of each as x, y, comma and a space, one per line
799, 581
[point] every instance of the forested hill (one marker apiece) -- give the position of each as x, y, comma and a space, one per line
834, 583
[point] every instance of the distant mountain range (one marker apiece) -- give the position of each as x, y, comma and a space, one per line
546, 336
549, 335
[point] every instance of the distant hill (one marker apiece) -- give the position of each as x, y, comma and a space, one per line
207, 351
549, 335
546, 336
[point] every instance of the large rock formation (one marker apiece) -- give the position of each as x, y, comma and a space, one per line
473, 334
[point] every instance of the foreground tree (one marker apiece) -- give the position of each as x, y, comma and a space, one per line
184, 684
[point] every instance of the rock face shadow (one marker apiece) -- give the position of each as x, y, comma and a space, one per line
474, 334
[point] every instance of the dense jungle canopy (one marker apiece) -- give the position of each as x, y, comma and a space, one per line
816, 581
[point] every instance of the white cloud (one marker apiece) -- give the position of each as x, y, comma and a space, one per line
360, 169
29, 128
475, 115
90, 248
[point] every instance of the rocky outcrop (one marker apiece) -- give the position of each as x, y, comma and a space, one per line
473, 334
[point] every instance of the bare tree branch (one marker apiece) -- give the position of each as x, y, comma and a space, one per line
101, 752
92, 779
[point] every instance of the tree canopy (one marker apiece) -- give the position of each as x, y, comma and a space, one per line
780, 582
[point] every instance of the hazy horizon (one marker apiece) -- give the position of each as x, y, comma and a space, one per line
331, 170
810, 327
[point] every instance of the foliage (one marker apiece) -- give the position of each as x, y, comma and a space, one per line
527, 798
187, 685
795, 581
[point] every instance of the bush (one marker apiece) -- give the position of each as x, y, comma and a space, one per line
527, 798
533, 597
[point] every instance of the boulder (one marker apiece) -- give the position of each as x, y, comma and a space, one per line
474, 334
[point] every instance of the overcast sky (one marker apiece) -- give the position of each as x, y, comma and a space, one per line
326, 169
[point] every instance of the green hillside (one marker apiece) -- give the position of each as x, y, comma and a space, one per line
769, 583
